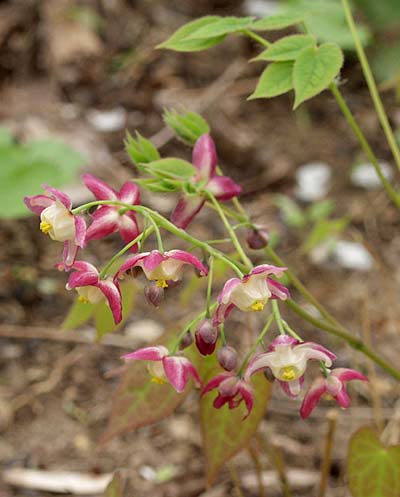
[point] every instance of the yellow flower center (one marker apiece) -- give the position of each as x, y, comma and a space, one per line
288, 373
45, 227
162, 283
83, 299
156, 379
327, 396
257, 306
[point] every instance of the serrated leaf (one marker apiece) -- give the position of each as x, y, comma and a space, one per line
139, 402
223, 26
224, 431
314, 70
180, 41
171, 168
116, 486
287, 48
275, 80
277, 21
373, 469
78, 315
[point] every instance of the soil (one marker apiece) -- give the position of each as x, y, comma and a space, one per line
53, 72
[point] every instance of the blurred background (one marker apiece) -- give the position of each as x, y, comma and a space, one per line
74, 76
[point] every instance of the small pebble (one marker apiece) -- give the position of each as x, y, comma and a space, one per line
312, 181
364, 175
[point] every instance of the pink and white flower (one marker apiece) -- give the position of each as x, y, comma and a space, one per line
164, 366
57, 221
333, 385
108, 219
162, 267
232, 390
86, 281
287, 359
251, 293
205, 160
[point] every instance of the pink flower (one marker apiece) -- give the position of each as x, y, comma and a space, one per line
177, 369
108, 219
86, 281
57, 221
287, 358
205, 160
250, 293
232, 390
162, 267
334, 384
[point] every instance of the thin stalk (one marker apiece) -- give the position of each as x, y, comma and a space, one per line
256, 37
364, 143
260, 338
160, 245
380, 110
253, 453
326, 460
277, 316
209, 286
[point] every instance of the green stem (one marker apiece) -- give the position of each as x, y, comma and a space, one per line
209, 286
380, 110
160, 245
142, 235
341, 332
260, 338
291, 331
278, 318
256, 37
247, 262
364, 143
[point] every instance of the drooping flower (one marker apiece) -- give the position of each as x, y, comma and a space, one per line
333, 385
287, 359
108, 219
232, 390
205, 160
162, 267
86, 281
164, 366
250, 293
57, 221
206, 336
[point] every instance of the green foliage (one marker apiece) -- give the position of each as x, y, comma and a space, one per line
323, 230
116, 486
140, 150
221, 27
314, 70
292, 215
24, 168
382, 15
275, 80
373, 469
188, 126
79, 314
287, 48
170, 168
277, 21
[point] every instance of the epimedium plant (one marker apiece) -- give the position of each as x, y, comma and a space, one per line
234, 385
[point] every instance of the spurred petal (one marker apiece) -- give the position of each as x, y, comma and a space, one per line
268, 269
100, 190
220, 401
37, 203
80, 231
69, 254
311, 399
113, 296
277, 290
346, 374
292, 388
105, 222
247, 395
130, 263
187, 207
59, 195
155, 353
128, 229
178, 371
215, 382
342, 398
204, 156
223, 188
153, 260
188, 258
129, 193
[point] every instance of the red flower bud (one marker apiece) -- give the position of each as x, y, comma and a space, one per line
186, 341
206, 337
227, 357
257, 238
154, 294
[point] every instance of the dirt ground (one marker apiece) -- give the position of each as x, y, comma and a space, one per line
54, 390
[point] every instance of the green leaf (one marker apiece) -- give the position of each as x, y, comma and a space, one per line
277, 21
158, 185
373, 469
139, 402
78, 315
292, 214
180, 41
224, 431
324, 230
314, 70
188, 126
275, 80
171, 168
116, 486
287, 48
223, 26
140, 150
320, 210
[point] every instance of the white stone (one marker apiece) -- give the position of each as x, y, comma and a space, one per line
364, 175
352, 255
313, 181
107, 120
260, 8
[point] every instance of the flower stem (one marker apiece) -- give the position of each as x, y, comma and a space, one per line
256, 37
380, 110
278, 318
260, 338
209, 286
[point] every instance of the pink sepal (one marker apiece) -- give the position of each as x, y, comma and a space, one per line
155, 353
59, 195
223, 188
80, 231
178, 370
112, 293
292, 388
153, 260
278, 291
282, 340
129, 229
37, 203
268, 269
99, 189
204, 156
215, 382
82, 278
69, 254
346, 374
129, 193
311, 399
187, 207
188, 258
104, 223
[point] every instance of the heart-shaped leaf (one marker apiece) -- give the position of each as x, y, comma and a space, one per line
314, 70
275, 80
287, 48
373, 469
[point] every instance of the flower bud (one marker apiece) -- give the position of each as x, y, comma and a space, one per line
227, 357
257, 238
186, 341
206, 337
188, 126
154, 294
